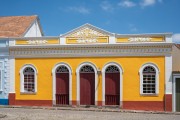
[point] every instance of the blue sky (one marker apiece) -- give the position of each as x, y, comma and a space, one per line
117, 16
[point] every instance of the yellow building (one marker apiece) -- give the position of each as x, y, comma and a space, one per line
90, 66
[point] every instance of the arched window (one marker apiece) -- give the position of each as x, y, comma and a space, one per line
149, 80
28, 79
149, 75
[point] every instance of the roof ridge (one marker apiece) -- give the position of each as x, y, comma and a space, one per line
16, 25
20, 16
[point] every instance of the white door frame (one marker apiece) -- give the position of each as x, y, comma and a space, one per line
121, 81
54, 82
78, 81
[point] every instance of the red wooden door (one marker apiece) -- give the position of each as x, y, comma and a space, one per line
87, 88
112, 88
62, 88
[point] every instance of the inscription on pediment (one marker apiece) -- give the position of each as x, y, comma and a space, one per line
86, 35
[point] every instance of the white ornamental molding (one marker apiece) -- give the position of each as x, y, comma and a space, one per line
139, 39
87, 40
37, 42
86, 35
91, 51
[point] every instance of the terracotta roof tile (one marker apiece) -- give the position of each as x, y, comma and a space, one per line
15, 26
177, 45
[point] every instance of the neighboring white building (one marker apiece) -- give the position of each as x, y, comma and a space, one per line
13, 26
176, 76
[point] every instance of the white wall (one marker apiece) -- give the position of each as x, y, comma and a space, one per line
168, 38
34, 31
176, 58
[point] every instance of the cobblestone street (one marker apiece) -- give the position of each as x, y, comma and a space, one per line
47, 114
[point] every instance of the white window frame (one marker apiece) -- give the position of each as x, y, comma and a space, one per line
1, 75
22, 79
156, 80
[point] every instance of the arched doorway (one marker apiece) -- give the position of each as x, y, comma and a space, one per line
62, 85
112, 85
87, 85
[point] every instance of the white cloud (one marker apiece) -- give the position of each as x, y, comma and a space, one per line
106, 6
176, 38
145, 3
127, 3
80, 9
133, 28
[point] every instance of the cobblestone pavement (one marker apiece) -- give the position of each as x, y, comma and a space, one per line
47, 114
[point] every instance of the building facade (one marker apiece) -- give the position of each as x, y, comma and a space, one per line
176, 77
27, 26
90, 66
4, 68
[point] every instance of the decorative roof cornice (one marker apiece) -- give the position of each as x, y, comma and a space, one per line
143, 35
95, 45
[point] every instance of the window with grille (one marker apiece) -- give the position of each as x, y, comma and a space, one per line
112, 69
86, 69
149, 80
62, 69
29, 79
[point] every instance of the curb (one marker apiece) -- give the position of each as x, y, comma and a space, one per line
100, 109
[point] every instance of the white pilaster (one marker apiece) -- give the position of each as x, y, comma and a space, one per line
62, 41
168, 74
11, 42
168, 38
112, 40
12, 75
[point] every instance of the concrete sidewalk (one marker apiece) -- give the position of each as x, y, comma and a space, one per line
96, 109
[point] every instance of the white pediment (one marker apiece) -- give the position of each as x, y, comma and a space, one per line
87, 31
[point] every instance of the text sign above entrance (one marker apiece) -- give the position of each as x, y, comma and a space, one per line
140, 39
87, 40
37, 42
